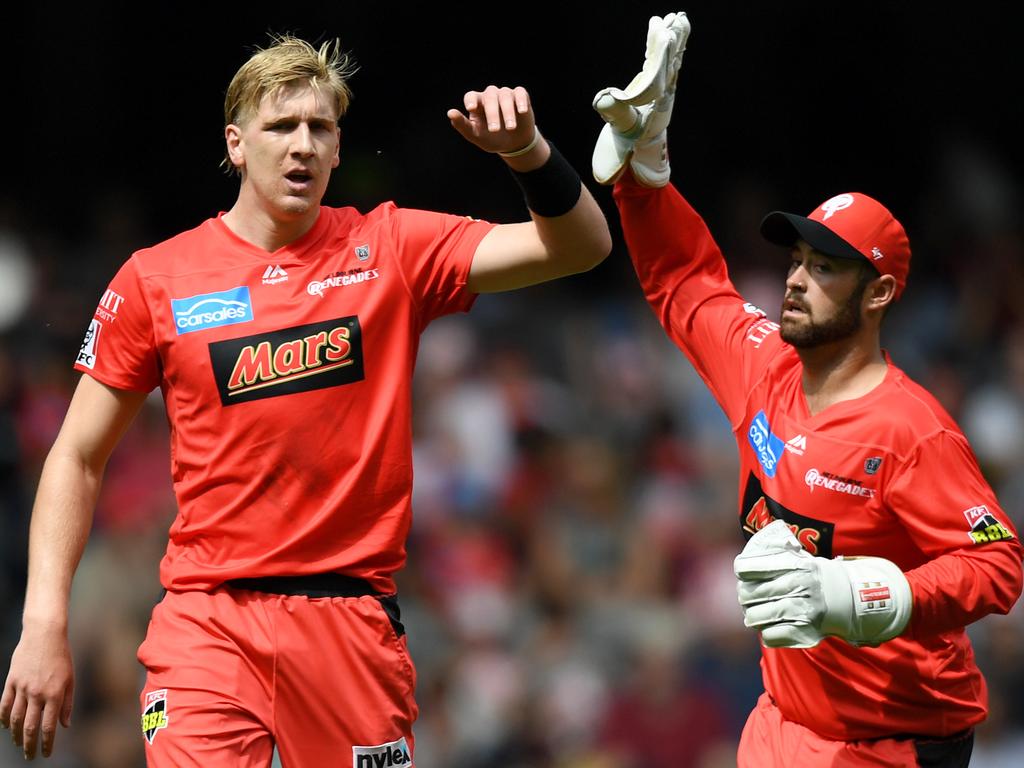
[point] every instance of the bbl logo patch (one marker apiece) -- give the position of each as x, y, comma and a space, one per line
394, 754
871, 465
362, 252
285, 362
154, 714
984, 526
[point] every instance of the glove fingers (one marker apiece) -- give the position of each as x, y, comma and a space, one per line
622, 117
794, 610
793, 584
787, 635
770, 565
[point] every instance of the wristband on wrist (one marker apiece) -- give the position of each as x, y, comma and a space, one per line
553, 189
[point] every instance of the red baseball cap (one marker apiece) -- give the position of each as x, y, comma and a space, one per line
849, 226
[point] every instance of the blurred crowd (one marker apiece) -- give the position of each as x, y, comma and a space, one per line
569, 593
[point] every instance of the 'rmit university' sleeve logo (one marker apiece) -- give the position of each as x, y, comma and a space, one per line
298, 359
767, 446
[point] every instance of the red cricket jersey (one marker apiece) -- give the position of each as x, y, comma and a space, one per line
287, 383
888, 474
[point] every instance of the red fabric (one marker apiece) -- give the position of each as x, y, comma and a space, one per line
238, 671
275, 471
888, 474
770, 741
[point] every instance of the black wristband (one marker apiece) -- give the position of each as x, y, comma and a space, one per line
553, 189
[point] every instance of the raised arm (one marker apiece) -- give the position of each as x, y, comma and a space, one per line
40, 682
568, 232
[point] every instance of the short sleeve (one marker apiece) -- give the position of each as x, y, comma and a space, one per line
435, 253
119, 348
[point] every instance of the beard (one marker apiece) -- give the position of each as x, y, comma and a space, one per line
842, 325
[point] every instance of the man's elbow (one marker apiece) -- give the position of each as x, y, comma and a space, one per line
588, 252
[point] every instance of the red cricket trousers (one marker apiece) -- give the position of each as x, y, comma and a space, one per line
771, 741
231, 673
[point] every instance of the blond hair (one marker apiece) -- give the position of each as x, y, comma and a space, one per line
288, 61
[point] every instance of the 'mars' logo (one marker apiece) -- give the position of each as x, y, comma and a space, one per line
288, 361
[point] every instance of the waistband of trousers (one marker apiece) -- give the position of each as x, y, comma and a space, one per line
310, 585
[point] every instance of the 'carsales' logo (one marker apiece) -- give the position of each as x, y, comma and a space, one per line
211, 310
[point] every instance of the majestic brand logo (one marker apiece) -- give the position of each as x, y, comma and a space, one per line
274, 274
288, 361
876, 253
362, 252
837, 203
394, 754
830, 482
154, 714
797, 444
758, 510
87, 352
767, 446
211, 310
340, 279
984, 526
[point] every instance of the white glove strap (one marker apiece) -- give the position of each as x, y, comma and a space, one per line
867, 599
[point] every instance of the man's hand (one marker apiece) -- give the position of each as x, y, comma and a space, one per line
638, 115
39, 690
796, 599
501, 120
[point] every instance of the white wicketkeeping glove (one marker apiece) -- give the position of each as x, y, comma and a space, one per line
796, 599
637, 117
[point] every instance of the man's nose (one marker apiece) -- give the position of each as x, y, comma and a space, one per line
302, 141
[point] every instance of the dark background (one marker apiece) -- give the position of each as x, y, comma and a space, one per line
123, 102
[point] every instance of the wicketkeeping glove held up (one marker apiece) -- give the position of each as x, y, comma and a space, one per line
638, 115
796, 599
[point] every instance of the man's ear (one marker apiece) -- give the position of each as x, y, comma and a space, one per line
233, 139
880, 293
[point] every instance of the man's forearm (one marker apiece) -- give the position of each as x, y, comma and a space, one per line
61, 519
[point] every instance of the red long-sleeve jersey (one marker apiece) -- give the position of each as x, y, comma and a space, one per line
888, 474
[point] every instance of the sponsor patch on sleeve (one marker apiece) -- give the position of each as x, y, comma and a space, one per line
984, 526
154, 714
87, 352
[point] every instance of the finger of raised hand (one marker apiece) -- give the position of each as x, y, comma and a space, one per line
522, 99
509, 110
490, 104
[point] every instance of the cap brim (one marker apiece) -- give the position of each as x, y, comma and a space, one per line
786, 228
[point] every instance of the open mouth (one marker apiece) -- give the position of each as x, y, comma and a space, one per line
300, 178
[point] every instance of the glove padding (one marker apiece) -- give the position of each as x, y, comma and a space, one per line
796, 599
637, 117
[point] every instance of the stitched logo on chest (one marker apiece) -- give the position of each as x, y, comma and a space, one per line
288, 361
